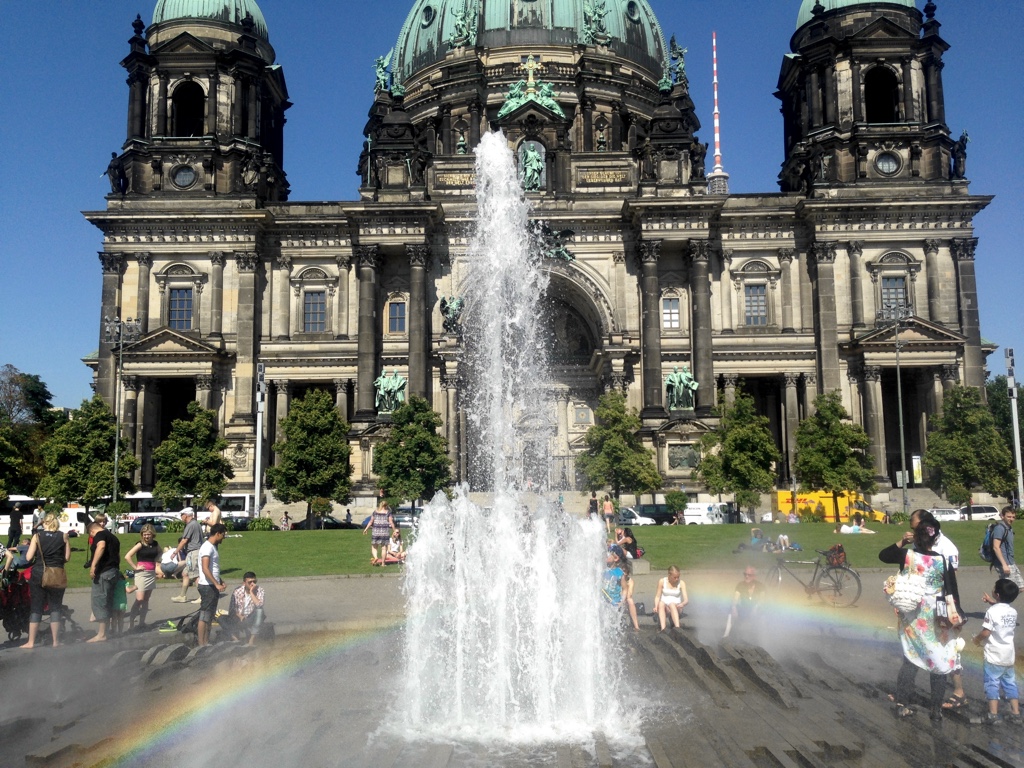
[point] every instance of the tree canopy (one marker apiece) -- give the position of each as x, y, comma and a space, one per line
190, 461
739, 457
832, 452
615, 456
413, 462
966, 451
27, 419
79, 458
313, 459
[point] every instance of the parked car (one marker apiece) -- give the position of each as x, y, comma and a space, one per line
629, 516
325, 523
657, 512
980, 512
406, 517
945, 514
159, 522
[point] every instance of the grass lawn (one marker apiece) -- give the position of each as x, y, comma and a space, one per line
704, 547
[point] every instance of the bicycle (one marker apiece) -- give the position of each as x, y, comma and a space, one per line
837, 585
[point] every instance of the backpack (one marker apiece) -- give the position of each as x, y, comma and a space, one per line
987, 551
835, 555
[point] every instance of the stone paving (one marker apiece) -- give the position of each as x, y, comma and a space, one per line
810, 690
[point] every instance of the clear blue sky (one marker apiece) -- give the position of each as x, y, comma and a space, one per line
65, 103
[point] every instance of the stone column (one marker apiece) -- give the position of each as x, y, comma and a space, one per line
950, 377
856, 250
805, 291
933, 280
217, 294
906, 64
730, 380
110, 299
650, 252
858, 103
419, 320
974, 362
856, 395
936, 99
810, 393
281, 393
245, 337
149, 397
703, 359
786, 264
874, 419
252, 98
451, 420
344, 264
661, 449
211, 104
161, 104
831, 102
145, 261
281, 319
138, 437
369, 262
204, 391
341, 398
237, 106
827, 338
474, 124
129, 418
792, 418
136, 102
725, 292
814, 97
938, 391
447, 145
562, 408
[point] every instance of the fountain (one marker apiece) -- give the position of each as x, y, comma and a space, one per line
507, 637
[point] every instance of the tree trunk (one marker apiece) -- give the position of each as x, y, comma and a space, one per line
835, 506
309, 515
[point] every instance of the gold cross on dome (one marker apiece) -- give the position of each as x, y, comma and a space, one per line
531, 65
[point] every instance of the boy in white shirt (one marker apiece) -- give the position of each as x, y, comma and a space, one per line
997, 634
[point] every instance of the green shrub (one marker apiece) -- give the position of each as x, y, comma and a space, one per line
321, 506
261, 524
175, 526
675, 501
899, 518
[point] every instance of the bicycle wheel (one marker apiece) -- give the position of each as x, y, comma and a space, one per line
773, 581
838, 585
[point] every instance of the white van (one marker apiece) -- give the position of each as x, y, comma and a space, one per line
704, 513
73, 518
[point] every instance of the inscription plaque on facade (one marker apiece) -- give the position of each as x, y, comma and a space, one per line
616, 177
454, 180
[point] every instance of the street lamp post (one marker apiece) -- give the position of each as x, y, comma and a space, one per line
118, 332
1011, 382
895, 315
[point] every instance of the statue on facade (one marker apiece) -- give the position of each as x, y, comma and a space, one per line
451, 311
533, 167
677, 54
679, 389
960, 156
698, 156
390, 391
516, 97
594, 28
116, 176
647, 161
461, 146
553, 244
250, 171
380, 68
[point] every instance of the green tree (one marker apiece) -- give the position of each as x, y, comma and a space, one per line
313, 459
190, 460
79, 458
832, 452
26, 407
615, 456
10, 461
739, 457
413, 462
998, 396
966, 451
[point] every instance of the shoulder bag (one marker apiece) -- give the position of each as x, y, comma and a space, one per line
54, 577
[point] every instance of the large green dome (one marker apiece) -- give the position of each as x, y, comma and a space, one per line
630, 25
806, 6
227, 11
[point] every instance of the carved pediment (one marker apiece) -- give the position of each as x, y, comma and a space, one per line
165, 342
882, 29
183, 43
915, 331
530, 117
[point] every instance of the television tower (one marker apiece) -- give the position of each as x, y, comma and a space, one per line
718, 179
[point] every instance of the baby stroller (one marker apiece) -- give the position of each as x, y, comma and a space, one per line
15, 602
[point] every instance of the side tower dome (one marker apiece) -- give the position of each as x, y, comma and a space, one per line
226, 15
807, 7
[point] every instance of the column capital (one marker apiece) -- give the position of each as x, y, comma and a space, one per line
872, 373
615, 382
204, 382
419, 255
855, 248
368, 255
111, 263
341, 383
730, 379
279, 385
699, 250
963, 248
283, 261
650, 251
562, 396
824, 253
343, 261
130, 383
785, 255
791, 379
145, 259
247, 261
810, 379
217, 258
931, 247
951, 372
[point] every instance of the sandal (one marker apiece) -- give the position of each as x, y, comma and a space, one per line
902, 712
954, 702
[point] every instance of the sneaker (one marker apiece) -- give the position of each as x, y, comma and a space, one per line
1013, 719
168, 626
197, 601
991, 719
179, 599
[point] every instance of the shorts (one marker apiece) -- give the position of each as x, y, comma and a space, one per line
145, 581
103, 594
192, 564
671, 600
381, 541
995, 675
208, 607
1015, 577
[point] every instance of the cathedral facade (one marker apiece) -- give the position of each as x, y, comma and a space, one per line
247, 300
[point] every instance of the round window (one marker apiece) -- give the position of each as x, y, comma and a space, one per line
183, 176
429, 14
887, 163
633, 11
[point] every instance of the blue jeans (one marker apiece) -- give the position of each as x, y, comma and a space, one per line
996, 675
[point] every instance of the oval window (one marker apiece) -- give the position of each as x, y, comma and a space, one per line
633, 11
429, 14
184, 176
887, 163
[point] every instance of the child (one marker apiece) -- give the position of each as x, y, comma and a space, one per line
120, 603
997, 634
396, 550
614, 577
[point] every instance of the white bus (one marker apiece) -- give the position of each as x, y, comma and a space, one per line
143, 504
74, 520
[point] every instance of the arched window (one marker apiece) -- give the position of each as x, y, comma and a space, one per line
881, 96
188, 105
